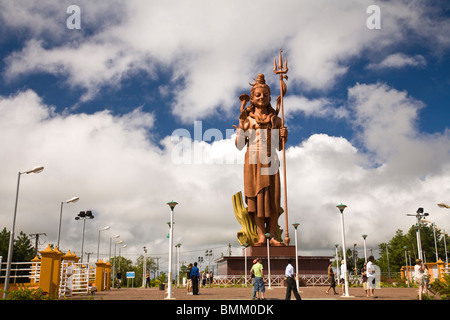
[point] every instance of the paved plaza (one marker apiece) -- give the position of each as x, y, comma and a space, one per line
275, 293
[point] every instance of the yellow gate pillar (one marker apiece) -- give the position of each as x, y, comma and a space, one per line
108, 275
440, 265
50, 270
100, 274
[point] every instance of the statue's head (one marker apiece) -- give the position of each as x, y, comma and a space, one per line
260, 92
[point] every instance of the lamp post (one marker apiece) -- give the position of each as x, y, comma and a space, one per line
98, 245
83, 216
71, 200
443, 205
365, 250
114, 264
337, 264
172, 205
445, 247
419, 215
110, 240
341, 208
178, 245
407, 269
268, 259
245, 263
433, 225
11, 237
144, 268
296, 224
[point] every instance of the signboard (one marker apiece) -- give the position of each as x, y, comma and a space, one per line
130, 274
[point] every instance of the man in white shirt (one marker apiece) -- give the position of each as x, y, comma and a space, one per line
370, 269
290, 282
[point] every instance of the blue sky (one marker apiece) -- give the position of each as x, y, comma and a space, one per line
366, 109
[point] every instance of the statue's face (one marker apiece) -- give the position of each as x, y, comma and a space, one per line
261, 97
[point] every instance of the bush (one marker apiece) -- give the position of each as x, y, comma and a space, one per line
442, 287
28, 294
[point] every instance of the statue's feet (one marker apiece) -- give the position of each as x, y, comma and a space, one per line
275, 243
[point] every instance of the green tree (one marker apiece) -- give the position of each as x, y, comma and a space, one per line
23, 250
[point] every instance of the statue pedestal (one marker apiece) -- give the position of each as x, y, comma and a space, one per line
278, 251
279, 256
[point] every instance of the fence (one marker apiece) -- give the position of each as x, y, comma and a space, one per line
21, 272
76, 278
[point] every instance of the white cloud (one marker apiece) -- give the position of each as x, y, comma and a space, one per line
399, 60
116, 169
211, 50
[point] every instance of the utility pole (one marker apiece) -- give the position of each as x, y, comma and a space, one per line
37, 240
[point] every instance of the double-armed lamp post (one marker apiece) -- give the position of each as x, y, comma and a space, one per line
341, 208
11, 238
172, 205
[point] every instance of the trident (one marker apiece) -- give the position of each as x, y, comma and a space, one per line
282, 72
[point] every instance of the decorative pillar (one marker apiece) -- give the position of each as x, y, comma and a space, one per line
108, 275
50, 270
440, 266
100, 274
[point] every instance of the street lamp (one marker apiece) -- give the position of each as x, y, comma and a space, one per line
445, 247
419, 214
114, 263
407, 268
172, 205
341, 208
433, 225
296, 224
71, 200
178, 245
268, 258
98, 245
443, 205
11, 237
83, 216
110, 240
365, 250
245, 262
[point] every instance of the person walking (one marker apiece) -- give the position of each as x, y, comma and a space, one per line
147, 279
189, 280
119, 279
418, 276
364, 279
330, 273
253, 281
343, 275
195, 275
259, 286
371, 277
291, 285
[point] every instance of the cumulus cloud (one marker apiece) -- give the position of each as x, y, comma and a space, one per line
126, 178
208, 48
399, 60
118, 169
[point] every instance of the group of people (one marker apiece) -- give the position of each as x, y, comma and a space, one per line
368, 276
194, 279
259, 288
421, 277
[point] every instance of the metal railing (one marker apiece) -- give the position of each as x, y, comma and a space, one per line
21, 270
76, 278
